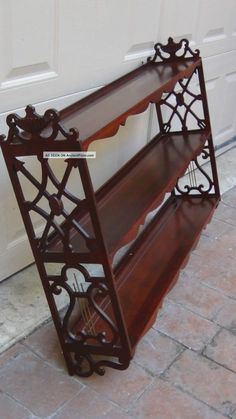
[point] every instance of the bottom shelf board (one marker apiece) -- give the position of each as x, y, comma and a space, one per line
153, 269
153, 264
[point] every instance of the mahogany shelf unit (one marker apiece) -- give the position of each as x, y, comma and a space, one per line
102, 305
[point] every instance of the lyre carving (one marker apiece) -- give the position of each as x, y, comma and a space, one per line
199, 181
89, 298
88, 319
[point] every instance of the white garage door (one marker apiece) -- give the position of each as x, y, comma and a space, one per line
55, 51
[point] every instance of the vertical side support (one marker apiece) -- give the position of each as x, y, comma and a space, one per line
39, 262
159, 118
208, 124
90, 197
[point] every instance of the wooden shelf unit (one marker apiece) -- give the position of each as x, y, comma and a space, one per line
111, 308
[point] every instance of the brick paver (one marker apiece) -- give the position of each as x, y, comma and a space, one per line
90, 405
44, 343
185, 326
121, 387
223, 349
197, 297
10, 408
155, 352
183, 368
226, 316
205, 380
163, 400
36, 385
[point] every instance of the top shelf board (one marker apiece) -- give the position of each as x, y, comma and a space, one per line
100, 114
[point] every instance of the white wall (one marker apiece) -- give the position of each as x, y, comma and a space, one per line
54, 51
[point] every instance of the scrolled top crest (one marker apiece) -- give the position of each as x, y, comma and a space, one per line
36, 128
173, 51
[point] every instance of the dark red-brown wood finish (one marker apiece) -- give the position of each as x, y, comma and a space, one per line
109, 309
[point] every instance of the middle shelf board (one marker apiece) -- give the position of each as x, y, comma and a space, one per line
138, 188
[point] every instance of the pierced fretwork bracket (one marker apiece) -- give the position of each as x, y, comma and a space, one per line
37, 128
183, 105
173, 51
199, 181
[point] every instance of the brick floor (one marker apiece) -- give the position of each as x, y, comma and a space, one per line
184, 368
205, 380
185, 326
163, 400
222, 349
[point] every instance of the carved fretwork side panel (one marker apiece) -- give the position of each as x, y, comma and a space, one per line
63, 226
182, 109
54, 212
185, 109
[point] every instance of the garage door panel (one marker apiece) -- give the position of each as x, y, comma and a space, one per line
55, 52
28, 42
